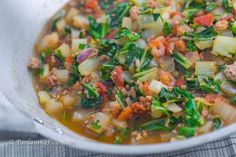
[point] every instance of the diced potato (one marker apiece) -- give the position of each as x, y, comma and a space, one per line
48, 41
119, 124
204, 44
155, 112
64, 50
224, 46
146, 21
81, 22
70, 15
103, 19
53, 106
76, 43
127, 23
44, 75
77, 117
156, 86
44, 97
205, 68
99, 122
112, 108
89, 66
62, 75
61, 25
68, 101
138, 2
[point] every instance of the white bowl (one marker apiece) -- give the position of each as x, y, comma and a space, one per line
21, 24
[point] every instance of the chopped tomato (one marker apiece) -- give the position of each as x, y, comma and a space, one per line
204, 20
145, 88
180, 46
165, 77
138, 108
126, 114
117, 77
103, 90
91, 4
180, 82
212, 98
227, 18
69, 59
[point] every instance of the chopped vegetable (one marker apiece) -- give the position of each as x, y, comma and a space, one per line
224, 46
182, 60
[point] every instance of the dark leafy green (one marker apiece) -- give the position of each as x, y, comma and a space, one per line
121, 10
97, 30
191, 114
121, 137
227, 6
167, 28
217, 122
156, 125
125, 32
187, 131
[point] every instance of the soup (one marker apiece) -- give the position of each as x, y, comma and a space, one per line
139, 72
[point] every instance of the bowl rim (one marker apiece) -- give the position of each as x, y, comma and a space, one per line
94, 146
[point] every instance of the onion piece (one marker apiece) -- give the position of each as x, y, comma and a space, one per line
44, 97
226, 111
156, 86
173, 107
62, 75
166, 137
87, 53
53, 106
206, 128
89, 66
127, 23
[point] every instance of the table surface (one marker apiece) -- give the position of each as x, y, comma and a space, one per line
20, 139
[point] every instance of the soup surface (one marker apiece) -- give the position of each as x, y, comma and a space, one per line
139, 71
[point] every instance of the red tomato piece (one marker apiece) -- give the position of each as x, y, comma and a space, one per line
204, 20
117, 77
91, 4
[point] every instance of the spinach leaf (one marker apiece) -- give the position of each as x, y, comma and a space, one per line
97, 30
191, 46
209, 85
92, 99
207, 34
187, 131
91, 103
191, 114
121, 137
145, 60
227, 6
117, 14
210, 7
167, 28
233, 100
156, 125
125, 32
108, 47
217, 122
91, 91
